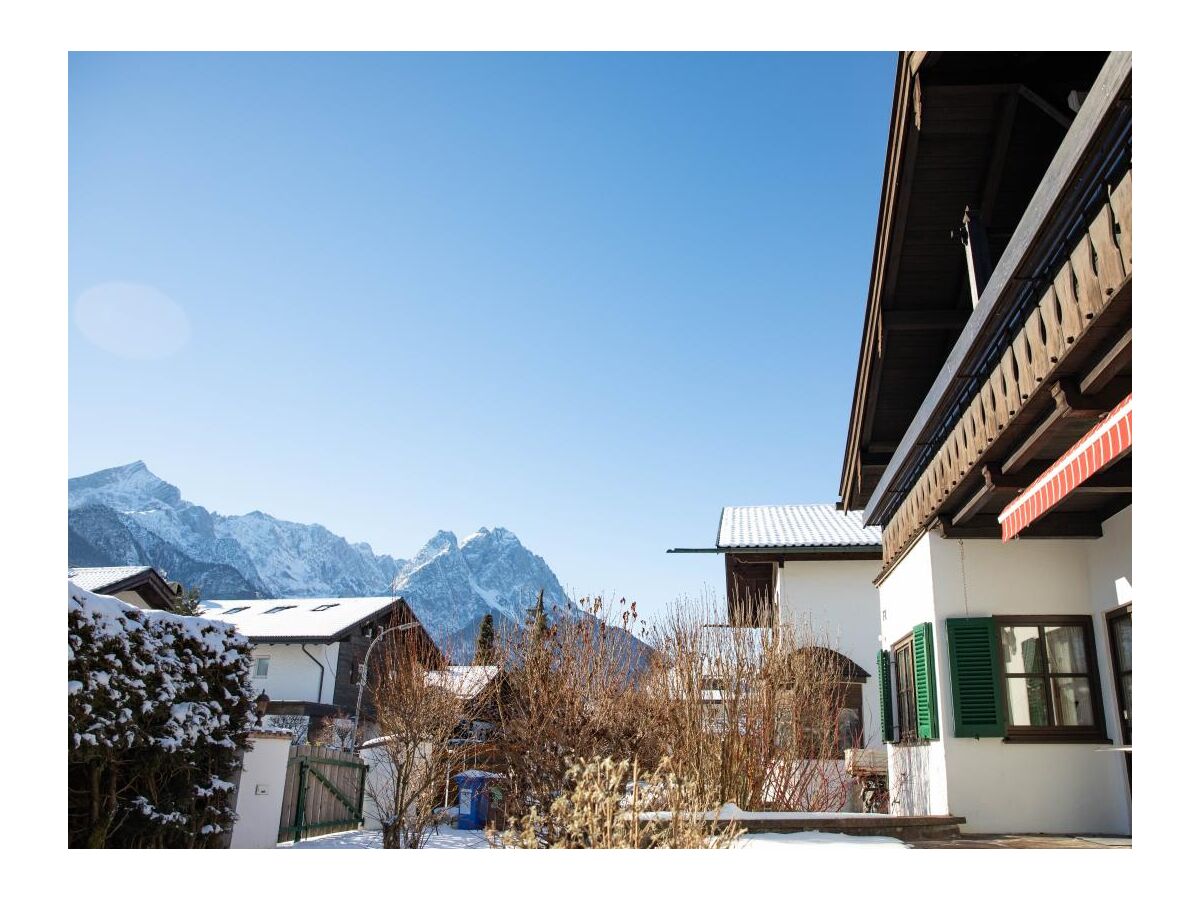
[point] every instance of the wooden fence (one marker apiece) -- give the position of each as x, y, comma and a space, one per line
322, 793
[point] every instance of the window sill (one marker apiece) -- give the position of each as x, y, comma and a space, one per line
1056, 739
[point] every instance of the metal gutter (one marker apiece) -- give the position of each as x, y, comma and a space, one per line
957, 376
321, 682
805, 548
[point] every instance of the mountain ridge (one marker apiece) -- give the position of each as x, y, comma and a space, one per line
127, 515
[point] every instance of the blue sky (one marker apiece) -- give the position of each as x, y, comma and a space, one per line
590, 297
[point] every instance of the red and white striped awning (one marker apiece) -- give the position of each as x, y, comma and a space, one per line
1111, 436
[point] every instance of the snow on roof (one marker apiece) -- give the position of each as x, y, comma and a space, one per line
99, 577
308, 617
113, 617
797, 526
464, 682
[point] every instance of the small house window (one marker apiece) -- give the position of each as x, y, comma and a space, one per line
906, 689
236, 609
261, 665
1049, 669
275, 609
325, 606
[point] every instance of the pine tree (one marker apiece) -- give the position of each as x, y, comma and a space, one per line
538, 619
188, 603
485, 644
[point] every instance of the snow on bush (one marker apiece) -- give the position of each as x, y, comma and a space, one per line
159, 708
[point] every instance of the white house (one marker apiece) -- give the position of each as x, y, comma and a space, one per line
810, 566
991, 438
308, 652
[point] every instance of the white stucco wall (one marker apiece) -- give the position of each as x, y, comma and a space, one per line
260, 792
840, 603
291, 675
998, 786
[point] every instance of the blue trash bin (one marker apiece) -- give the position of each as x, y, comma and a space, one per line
473, 799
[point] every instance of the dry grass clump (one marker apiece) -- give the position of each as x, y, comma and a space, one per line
609, 804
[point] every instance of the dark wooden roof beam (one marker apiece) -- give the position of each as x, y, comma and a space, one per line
1069, 403
925, 320
1116, 360
1051, 525
1046, 106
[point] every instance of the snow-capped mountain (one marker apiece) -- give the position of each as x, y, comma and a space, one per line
130, 516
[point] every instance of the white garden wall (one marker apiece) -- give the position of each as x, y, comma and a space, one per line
260, 792
998, 786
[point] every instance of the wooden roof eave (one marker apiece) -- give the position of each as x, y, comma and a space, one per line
907, 65
1111, 84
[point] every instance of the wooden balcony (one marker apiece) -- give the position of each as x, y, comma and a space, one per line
1050, 384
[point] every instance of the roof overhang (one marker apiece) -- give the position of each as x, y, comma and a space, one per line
1096, 138
968, 129
830, 551
148, 585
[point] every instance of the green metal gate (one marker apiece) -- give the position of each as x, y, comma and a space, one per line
323, 793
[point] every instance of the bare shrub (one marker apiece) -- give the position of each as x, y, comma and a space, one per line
571, 692
409, 760
298, 725
753, 716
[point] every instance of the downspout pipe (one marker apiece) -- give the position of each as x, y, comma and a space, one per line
321, 683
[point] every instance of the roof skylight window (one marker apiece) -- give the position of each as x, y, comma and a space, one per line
275, 609
325, 606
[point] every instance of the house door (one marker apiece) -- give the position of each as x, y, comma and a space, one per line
1120, 639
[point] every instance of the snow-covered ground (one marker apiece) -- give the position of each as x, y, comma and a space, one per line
452, 839
444, 839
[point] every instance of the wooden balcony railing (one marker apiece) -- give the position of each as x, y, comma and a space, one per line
1083, 287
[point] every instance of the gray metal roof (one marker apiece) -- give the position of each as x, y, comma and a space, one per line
796, 526
99, 577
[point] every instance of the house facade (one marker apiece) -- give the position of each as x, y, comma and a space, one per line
991, 440
811, 567
308, 653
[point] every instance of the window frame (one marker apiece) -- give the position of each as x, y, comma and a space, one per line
905, 712
1096, 733
258, 660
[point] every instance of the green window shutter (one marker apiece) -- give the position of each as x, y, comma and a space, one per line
883, 667
975, 677
926, 682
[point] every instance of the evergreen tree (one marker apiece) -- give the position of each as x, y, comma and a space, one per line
537, 620
188, 602
485, 644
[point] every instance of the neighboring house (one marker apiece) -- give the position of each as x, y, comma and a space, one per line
993, 401
139, 586
810, 566
481, 689
308, 652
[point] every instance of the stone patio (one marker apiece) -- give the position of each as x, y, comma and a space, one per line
1025, 842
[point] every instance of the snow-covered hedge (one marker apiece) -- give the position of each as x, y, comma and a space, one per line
159, 707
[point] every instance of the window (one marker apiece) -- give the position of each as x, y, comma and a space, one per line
261, 665
1048, 667
236, 609
275, 609
906, 690
325, 606
750, 591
